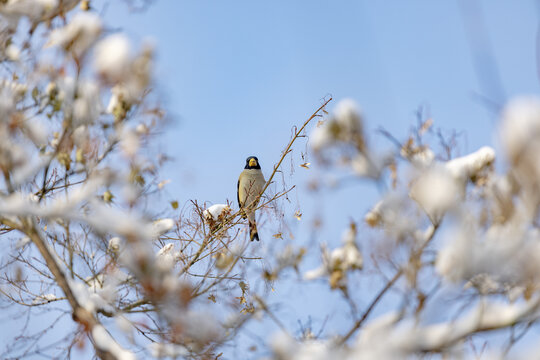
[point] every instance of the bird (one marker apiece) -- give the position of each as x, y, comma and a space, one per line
249, 189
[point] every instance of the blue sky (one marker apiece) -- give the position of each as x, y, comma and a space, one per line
237, 75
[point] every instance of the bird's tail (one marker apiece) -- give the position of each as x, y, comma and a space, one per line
253, 234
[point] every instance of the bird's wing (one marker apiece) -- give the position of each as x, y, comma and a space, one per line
238, 193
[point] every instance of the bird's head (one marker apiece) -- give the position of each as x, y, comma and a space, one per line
252, 163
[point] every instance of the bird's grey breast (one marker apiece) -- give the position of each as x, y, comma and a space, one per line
251, 184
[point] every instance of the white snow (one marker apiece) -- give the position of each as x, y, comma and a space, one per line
436, 192
162, 226
13, 52
285, 347
44, 299
166, 250
320, 137
423, 158
160, 350
118, 94
369, 164
90, 297
142, 129
13, 88
395, 214
385, 338
347, 114
166, 257
22, 242
105, 342
342, 259
520, 126
112, 57
87, 105
344, 125
129, 141
441, 186
215, 211
78, 35
507, 255
35, 10
389, 337
82, 98
114, 244
471, 165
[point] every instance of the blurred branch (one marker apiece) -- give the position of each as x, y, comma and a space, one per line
297, 134
388, 286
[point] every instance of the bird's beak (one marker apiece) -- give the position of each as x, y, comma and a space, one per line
252, 162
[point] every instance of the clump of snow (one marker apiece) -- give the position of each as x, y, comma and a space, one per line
395, 214
436, 192
470, 166
115, 244
105, 219
81, 98
520, 127
44, 299
167, 257
345, 125
78, 35
520, 133
166, 250
499, 193
424, 157
142, 129
12, 52
112, 57
119, 103
441, 186
344, 130
341, 260
14, 154
162, 226
15, 89
104, 341
285, 347
90, 297
130, 142
129, 74
37, 131
502, 257
87, 105
369, 164
160, 350
347, 114
391, 337
216, 212
22, 242
387, 338
34, 10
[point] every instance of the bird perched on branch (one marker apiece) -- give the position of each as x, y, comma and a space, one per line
250, 185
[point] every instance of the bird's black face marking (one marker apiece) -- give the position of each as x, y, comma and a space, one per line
252, 163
